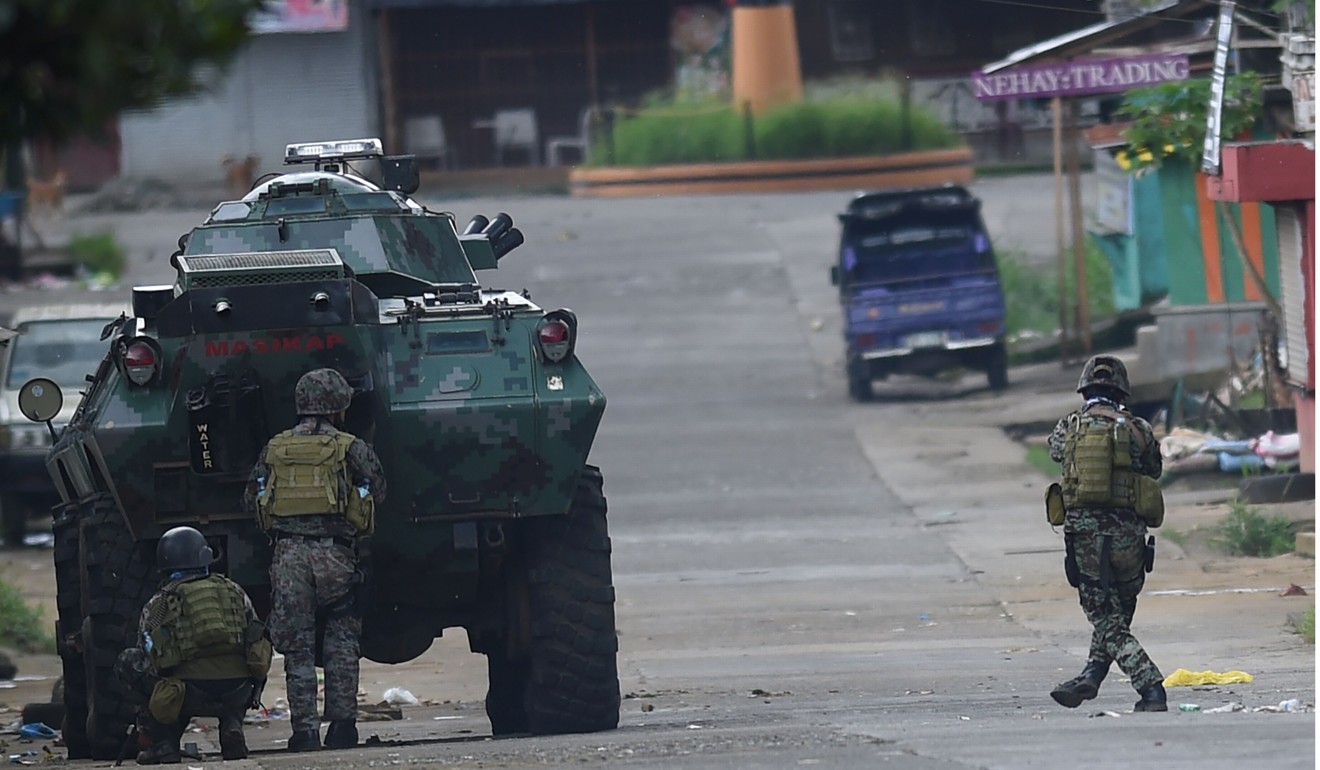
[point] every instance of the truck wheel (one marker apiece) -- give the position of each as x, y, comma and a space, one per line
859, 381
14, 515
68, 622
118, 580
573, 674
997, 369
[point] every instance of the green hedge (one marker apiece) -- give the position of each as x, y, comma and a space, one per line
836, 124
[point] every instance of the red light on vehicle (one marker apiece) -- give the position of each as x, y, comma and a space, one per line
988, 327
553, 333
139, 354
556, 338
866, 340
140, 362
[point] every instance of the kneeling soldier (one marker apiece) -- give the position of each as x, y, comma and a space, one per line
201, 651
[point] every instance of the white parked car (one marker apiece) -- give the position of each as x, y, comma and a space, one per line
62, 343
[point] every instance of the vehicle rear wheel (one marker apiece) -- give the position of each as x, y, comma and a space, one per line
118, 578
997, 369
572, 669
859, 381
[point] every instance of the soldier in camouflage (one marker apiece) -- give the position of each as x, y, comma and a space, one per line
318, 523
1107, 553
201, 651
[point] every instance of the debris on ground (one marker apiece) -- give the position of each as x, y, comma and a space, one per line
1184, 678
400, 697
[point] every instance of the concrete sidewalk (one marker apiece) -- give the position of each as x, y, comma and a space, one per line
953, 465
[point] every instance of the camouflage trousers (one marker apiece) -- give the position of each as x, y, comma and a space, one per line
314, 582
221, 698
1109, 569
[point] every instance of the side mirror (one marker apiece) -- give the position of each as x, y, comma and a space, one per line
40, 400
834, 274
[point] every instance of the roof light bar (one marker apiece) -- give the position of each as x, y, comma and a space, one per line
321, 152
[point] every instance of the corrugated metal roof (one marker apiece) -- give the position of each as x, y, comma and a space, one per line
1087, 39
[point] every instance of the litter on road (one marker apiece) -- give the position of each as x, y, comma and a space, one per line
1184, 678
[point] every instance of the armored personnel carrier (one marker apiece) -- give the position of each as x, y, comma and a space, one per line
473, 398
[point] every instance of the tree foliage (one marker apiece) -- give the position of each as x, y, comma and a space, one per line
1169, 119
70, 65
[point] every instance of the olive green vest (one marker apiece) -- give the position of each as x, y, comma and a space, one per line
197, 630
306, 476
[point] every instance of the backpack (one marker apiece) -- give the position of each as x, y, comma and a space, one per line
1097, 461
306, 476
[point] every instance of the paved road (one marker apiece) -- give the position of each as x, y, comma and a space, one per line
806, 581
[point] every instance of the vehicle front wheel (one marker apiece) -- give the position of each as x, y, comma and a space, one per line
14, 519
572, 673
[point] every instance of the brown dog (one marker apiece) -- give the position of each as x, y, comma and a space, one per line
239, 174
46, 197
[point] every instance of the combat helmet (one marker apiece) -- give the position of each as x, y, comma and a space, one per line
183, 548
322, 392
1104, 372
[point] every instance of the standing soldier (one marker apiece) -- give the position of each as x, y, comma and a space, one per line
201, 652
314, 488
1110, 460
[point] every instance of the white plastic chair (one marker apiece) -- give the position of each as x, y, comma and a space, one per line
424, 137
581, 141
516, 130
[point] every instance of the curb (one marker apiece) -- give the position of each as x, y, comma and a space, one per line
910, 169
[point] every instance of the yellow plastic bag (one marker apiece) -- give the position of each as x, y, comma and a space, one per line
1184, 678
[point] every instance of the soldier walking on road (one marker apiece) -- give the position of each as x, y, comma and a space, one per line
314, 488
1110, 459
201, 651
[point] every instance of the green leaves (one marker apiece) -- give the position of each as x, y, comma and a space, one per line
71, 65
1169, 119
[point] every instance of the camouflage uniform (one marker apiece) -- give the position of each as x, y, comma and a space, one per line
314, 576
225, 697
1107, 548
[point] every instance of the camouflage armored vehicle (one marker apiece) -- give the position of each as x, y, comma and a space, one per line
473, 398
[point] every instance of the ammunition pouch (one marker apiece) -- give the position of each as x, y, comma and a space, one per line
1054, 508
166, 701
259, 652
1150, 501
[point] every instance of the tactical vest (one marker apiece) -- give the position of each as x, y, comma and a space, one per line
306, 476
204, 618
1097, 461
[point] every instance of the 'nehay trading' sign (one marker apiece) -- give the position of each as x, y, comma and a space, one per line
1081, 77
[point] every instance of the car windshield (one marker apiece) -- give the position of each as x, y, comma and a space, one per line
64, 351
887, 251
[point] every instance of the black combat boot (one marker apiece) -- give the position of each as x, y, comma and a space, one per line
1082, 687
233, 744
305, 740
1152, 698
341, 734
161, 753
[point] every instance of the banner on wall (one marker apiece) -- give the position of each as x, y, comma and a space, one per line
301, 16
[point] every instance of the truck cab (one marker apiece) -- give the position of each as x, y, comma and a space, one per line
919, 286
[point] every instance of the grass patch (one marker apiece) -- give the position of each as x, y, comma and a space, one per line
1031, 294
99, 253
21, 626
1306, 625
1175, 536
1246, 531
834, 120
1039, 458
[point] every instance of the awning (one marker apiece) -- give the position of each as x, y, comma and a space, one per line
1087, 39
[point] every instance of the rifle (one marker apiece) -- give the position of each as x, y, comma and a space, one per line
130, 739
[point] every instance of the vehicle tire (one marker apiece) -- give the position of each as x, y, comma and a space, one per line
68, 623
859, 381
14, 515
997, 368
573, 674
117, 581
